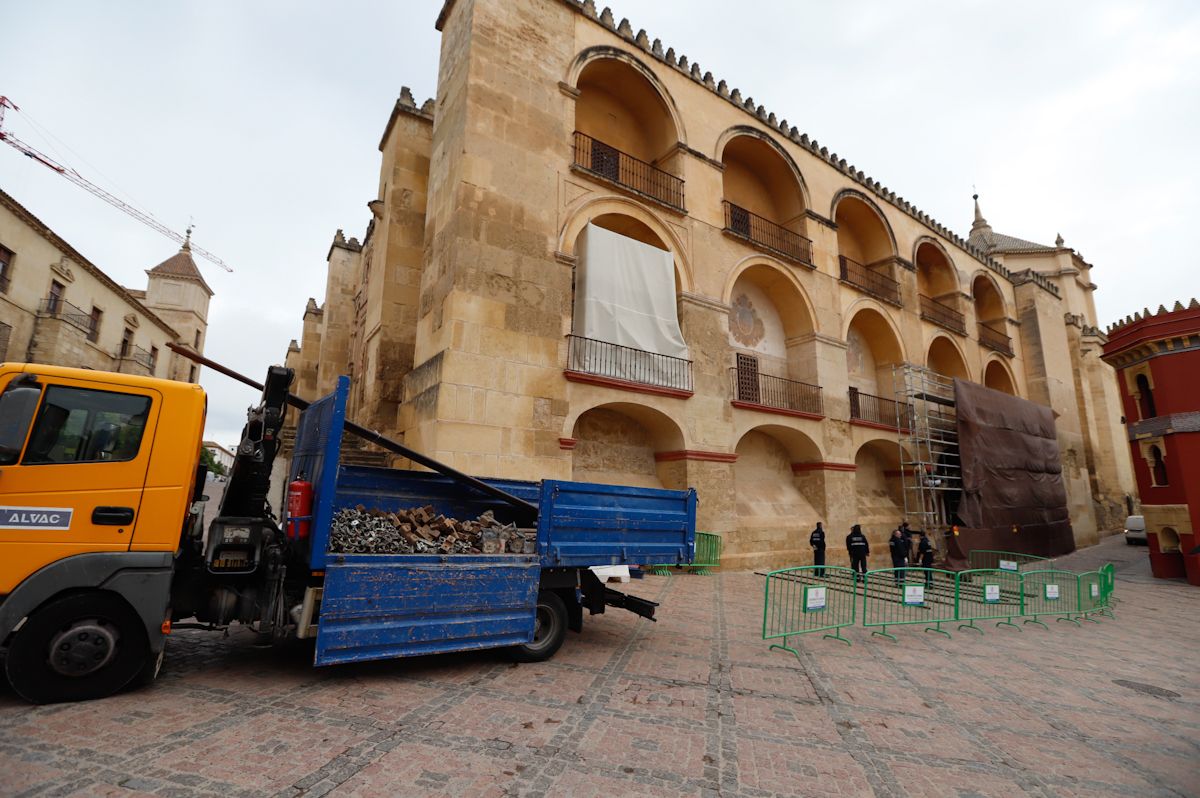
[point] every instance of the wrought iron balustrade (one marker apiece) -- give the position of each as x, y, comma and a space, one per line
766, 234
59, 308
604, 359
606, 161
761, 389
995, 340
878, 410
942, 315
870, 281
137, 355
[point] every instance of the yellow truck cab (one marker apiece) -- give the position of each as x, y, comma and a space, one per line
97, 475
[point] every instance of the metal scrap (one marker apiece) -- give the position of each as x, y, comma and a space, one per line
422, 530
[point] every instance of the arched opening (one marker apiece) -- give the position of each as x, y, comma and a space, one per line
1145, 397
1158, 468
625, 319
774, 514
624, 131
774, 354
866, 254
879, 491
1168, 540
996, 377
937, 284
616, 444
763, 200
945, 359
872, 349
991, 316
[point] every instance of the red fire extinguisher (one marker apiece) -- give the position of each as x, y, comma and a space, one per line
300, 500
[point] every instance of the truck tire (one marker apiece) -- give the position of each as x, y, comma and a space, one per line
549, 630
77, 648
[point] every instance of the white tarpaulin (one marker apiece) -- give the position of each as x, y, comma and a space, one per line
625, 295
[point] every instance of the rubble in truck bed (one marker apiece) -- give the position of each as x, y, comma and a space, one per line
422, 530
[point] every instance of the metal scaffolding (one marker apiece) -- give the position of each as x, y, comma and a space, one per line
930, 468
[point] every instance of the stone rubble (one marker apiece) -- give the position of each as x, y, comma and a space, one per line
422, 530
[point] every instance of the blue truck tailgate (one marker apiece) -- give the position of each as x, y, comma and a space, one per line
378, 606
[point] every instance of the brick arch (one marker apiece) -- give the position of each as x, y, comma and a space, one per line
954, 347
591, 207
795, 323
596, 53
753, 132
850, 193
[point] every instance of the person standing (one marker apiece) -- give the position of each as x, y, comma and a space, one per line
907, 534
925, 552
817, 541
899, 551
859, 549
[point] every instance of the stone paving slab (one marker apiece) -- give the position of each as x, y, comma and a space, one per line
696, 706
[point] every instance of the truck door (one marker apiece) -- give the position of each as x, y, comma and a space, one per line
71, 471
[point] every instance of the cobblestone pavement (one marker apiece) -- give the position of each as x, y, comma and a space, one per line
693, 705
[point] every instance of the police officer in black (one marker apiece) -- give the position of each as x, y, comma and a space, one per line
925, 552
859, 549
898, 547
817, 541
907, 534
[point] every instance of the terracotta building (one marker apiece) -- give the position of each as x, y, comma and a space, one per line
58, 307
1157, 357
590, 258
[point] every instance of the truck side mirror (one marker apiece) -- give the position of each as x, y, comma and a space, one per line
17, 406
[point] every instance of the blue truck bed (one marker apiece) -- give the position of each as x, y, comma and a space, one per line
381, 606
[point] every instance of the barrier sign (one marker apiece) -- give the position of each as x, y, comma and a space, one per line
991, 594
1008, 565
914, 595
1095, 589
1051, 592
814, 599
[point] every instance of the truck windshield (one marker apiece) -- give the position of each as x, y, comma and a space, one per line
17, 404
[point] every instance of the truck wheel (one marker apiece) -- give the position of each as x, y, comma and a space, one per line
549, 630
76, 648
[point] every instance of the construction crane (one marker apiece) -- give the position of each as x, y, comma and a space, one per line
92, 188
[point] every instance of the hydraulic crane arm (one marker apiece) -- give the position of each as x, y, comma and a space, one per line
372, 436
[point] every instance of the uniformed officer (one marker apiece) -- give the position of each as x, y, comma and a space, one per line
907, 534
925, 552
898, 547
817, 541
859, 549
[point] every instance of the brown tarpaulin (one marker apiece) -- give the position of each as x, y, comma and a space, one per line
1011, 475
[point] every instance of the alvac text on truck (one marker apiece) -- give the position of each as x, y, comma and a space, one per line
102, 549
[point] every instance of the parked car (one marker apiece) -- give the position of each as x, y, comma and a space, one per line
1135, 529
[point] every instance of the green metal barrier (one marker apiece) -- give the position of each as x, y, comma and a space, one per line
986, 559
899, 596
989, 594
708, 555
1050, 592
798, 602
1091, 595
1108, 574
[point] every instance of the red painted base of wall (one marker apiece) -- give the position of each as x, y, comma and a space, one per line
1165, 566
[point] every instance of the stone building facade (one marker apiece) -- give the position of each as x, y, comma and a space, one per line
1157, 357
57, 307
800, 282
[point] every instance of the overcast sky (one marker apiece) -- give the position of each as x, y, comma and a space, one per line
260, 122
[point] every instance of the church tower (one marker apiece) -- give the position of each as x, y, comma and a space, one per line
177, 293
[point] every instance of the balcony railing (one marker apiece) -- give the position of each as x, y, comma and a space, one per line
137, 355
995, 340
877, 410
766, 234
589, 356
942, 315
872, 282
58, 308
759, 389
609, 163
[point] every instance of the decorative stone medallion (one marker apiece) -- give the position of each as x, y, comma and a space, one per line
744, 323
